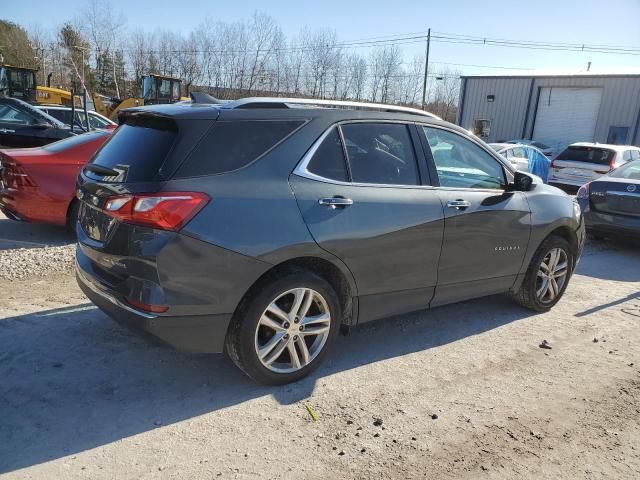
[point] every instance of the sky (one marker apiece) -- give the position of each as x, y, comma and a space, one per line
591, 22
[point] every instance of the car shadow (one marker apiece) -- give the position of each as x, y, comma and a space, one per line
14, 234
610, 259
73, 380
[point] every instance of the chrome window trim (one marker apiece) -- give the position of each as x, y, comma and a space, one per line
302, 168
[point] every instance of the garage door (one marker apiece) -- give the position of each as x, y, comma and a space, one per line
566, 115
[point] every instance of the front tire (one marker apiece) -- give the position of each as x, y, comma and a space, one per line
285, 328
548, 275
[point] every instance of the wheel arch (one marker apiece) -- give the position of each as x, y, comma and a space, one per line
342, 282
74, 201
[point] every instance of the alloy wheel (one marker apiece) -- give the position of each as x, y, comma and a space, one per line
292, 330
552, 275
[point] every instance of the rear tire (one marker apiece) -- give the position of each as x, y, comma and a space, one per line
285, 328
548, 275
72, 217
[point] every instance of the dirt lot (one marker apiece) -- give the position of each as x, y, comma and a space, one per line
462, 391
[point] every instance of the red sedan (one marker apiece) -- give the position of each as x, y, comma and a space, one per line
38, 184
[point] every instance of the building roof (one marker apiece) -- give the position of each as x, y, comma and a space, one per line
557, 73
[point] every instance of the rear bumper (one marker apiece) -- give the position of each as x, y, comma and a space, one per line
194, 334
613, 224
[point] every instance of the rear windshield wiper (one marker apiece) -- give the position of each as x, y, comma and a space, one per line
100, 170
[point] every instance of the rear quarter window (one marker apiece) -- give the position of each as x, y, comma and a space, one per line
232, 145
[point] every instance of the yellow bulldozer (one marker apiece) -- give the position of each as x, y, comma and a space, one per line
20, 82
156, 89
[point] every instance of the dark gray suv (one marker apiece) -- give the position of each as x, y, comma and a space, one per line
264, 226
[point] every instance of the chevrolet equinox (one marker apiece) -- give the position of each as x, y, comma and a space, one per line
265, 226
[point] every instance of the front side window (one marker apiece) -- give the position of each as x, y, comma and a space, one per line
328, 160
380, 153
461, 163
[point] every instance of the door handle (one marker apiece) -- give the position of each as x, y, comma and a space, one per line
335, 202
459, 204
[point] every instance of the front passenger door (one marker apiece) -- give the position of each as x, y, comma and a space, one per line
486, 231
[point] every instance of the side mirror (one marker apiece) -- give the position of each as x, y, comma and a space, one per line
521, 182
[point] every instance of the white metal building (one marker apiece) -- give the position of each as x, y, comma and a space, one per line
552, 109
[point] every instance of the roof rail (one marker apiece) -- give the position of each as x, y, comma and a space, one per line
276, 102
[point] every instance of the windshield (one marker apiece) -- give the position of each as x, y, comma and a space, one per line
629, 170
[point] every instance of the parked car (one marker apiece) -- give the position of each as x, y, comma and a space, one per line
64, 114
581, 162
525, 158
543, 147
23, 125
611, 204
264, 226
38, 184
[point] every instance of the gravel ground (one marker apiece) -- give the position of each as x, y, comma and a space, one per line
21, 263
462, 391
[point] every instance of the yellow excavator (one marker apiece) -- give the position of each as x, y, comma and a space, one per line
156, 89
20, 82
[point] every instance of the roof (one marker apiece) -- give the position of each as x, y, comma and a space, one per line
617, 148
282, 107
501, 146
633, 72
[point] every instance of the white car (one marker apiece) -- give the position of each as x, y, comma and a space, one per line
583, 162
548, 151
64, 115
515, 153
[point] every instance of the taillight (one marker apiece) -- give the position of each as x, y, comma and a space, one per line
15, 176
583, 191
162, 210
553, 165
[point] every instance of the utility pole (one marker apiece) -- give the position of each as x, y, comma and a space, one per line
115, 80
426, 71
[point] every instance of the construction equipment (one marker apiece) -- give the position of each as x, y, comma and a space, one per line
20, 82
156, 89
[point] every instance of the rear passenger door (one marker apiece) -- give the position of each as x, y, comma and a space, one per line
365, 200
486, 231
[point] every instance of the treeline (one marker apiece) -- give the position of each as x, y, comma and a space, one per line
227, 59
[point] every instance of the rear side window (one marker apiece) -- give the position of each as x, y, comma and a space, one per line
232, 145
380, 153
328, 160
600, 156
135, 151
